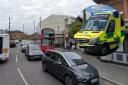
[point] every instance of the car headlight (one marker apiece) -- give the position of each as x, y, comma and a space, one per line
30, 53
94, 41
82, 76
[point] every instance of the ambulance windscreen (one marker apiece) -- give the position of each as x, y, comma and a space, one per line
96, 22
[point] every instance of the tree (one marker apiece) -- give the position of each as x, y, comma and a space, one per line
74, 28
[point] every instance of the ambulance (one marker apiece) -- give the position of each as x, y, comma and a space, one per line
103, 32
4, 47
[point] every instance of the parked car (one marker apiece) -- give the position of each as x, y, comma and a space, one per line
12, 44
33, 52
16, 41
24, 47
23, 41
70, 67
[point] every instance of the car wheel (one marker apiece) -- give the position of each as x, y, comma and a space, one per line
31, 58
68, 80
44, 67
25, 54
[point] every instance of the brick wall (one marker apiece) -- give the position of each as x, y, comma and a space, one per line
125, 8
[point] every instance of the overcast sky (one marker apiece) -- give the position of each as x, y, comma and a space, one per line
26, 11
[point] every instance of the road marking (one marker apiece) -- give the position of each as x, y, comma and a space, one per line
17, 54
17, 50
16, 59
25, 81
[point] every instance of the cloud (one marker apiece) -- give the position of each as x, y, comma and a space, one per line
26, 11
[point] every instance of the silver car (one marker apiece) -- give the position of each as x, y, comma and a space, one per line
33, 52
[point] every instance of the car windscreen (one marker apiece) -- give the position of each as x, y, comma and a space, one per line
24, 43
34, 48
96, 22
74, 59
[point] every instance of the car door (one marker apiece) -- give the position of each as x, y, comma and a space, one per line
50, 60
60, 66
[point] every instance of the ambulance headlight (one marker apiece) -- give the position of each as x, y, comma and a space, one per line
94, 41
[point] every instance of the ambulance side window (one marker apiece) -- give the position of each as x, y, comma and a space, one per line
111, 26
122, 22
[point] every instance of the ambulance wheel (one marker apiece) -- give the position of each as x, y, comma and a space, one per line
104, 49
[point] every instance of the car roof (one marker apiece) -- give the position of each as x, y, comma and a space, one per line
32, 45
59, 50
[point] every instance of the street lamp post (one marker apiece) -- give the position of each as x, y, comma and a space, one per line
66, 33
40, 24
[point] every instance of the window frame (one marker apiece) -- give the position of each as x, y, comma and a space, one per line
63, 60
108, 27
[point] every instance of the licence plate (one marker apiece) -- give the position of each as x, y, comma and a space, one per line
37, 56
94, 80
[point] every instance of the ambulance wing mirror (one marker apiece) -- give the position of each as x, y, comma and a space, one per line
80, 19
116, 14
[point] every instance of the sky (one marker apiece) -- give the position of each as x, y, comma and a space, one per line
27, 11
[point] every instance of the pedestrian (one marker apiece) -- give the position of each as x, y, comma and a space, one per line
84, 51
71, 44
75, 45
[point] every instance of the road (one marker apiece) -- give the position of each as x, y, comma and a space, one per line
19, 71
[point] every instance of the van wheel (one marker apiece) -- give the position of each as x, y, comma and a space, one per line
104, 49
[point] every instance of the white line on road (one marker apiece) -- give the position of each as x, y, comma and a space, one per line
17, 50
16, 59
25, 81
17, 54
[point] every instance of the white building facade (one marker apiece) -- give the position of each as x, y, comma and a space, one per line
56, 22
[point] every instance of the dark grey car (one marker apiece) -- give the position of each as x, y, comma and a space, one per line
33, 52
70, 67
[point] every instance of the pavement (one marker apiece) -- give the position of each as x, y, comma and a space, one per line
117, 74
19, 71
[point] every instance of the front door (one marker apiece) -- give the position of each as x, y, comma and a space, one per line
111, 35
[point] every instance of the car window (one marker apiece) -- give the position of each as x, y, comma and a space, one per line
34, 48
50, 55
59, 58
74, 59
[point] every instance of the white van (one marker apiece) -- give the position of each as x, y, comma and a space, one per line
4, 47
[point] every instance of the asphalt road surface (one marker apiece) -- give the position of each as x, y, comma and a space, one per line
19, 71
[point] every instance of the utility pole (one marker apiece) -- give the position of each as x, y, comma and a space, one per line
23, 28
58, 30
23, 31
66, 33
9, 24
34, 26
40, 23
9, 27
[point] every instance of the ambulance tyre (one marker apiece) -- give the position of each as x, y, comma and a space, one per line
104, 49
